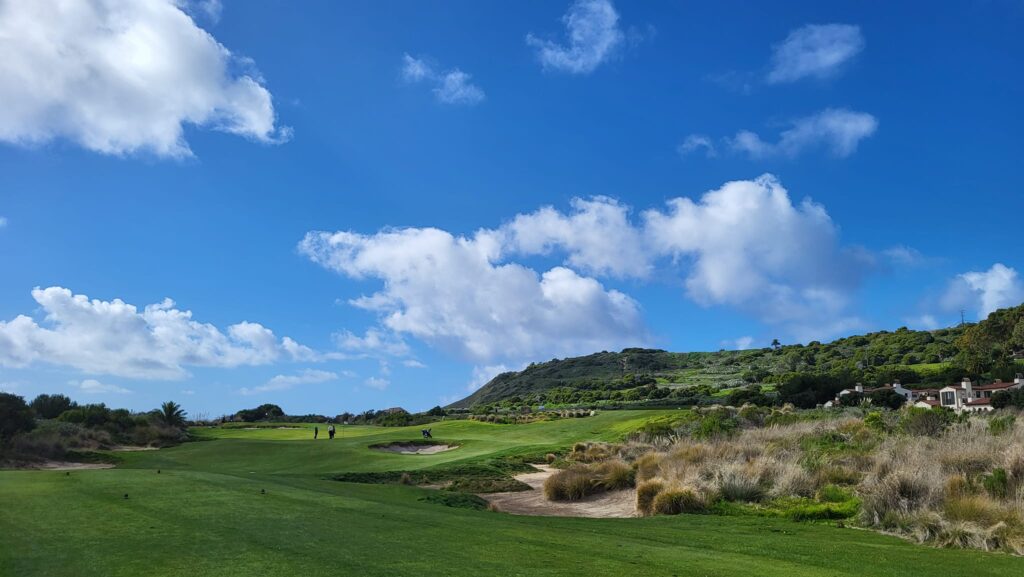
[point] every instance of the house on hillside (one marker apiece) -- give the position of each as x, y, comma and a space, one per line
966, 396
927, 398
859, 389
974, 398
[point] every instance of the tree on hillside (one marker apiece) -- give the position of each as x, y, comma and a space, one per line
1017, 337
887, 398
265, 412
51, 406
776, 345
171, 414
15, 416
976, 348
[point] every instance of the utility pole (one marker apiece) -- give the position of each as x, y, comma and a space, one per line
962, 322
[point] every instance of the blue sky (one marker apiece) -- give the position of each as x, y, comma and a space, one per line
368, 204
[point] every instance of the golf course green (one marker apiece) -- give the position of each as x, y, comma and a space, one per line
251, 502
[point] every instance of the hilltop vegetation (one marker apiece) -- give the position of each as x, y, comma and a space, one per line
802, 374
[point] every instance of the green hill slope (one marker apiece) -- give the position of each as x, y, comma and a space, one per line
921, 358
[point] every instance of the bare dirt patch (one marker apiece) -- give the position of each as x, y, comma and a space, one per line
413, 448
603, 505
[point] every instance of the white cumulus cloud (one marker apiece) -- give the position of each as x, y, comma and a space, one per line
742, 343
456, 293
695, 142
745, 245
378, 383
450, 87
483, 375
748, 245
985, 291
373, 342
285, 382
837, 130
815, 51
116, 338
597, 236
593, 36
94, 387
123, 76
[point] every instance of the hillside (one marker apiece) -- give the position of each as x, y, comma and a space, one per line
916, 358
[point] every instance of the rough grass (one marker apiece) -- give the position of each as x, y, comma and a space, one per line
962, 486
581, 480
675, 500
488, 476
646, 492
456, 500
571, 484
205, 515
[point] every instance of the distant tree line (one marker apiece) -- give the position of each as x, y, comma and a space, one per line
54, 426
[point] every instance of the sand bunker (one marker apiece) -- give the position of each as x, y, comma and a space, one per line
413, 448
132, 448
64, 466
533, 502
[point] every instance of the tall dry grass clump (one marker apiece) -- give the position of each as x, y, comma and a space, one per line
676, 500
963, 488
648, 466
646, 491
581, 480
570, 484
950, 482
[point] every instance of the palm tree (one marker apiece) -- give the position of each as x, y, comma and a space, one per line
776, 344
171, 414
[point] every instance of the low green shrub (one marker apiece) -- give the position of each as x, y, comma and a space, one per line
997, 483
811, 511
1000, 425
923, 422
487, 476
456, 499
833, 494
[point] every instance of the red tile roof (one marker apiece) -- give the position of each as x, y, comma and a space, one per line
993, 387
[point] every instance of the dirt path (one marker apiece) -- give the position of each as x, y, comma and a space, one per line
533, 502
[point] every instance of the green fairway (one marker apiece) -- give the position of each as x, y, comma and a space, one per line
205, 514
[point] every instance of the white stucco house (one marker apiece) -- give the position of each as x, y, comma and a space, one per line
906, 393
974, 398
966, 396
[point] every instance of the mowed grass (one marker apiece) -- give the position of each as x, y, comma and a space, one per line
204, 514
